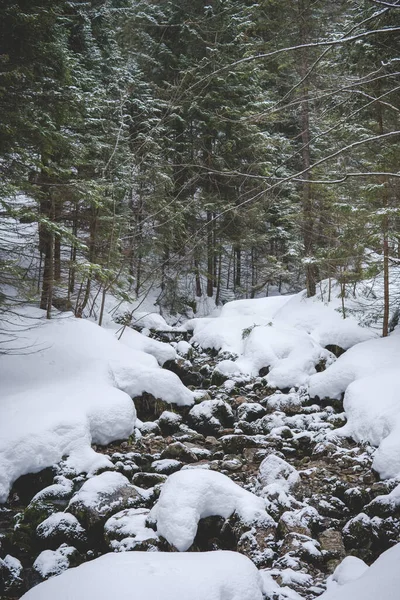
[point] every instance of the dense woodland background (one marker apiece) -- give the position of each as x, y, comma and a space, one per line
221, 148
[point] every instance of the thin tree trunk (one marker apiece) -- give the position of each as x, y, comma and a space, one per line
197, 278
218, 292
238, 273
210, 256
311, 270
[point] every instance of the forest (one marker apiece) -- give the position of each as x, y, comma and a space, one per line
221, 149
199, 299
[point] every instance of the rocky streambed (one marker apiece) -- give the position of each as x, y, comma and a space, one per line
319, 490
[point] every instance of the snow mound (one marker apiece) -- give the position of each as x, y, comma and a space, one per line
135, 340
257, 309
372, 406
150, 320
191, 495
287, 334
350, 569
323, 319
217, 575
362, 360
381, 580
75, 389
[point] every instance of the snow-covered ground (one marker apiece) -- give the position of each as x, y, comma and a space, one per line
286, 334
155, 576
76, 388
72, 387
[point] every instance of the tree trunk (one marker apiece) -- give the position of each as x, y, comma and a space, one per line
311, 270
238, 272
210, 256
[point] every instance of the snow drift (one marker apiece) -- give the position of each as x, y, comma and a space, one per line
75, 389
217, 575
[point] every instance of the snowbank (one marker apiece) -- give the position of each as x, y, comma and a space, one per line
217, 575
381, 580
287, 334
372, 406
323, 319
135, 340
362, 360
191, 495
74, 389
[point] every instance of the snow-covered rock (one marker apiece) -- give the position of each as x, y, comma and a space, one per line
168, 576
210, 416
350, 569
127, 530
276, 473
101, 495
53, 562
381, 580
191, 495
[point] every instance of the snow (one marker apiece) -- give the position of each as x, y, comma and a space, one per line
59, 522
129, 527
53, 562
193, 494
103, 485
323, 319
288, 334
75, 389
372, 406
350, 569
272, 589
220, 575
381, 580
362, 360
274, 473
137, 341
150, 320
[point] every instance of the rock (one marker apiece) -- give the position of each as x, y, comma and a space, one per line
185, 371
290, 522
235, 444
179, 451
148, 480
53, 562
332, 547
166, 466
11, 576
150, 427
169, 422
127, 530
101, 496
210, 416
59, 528
251, 411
